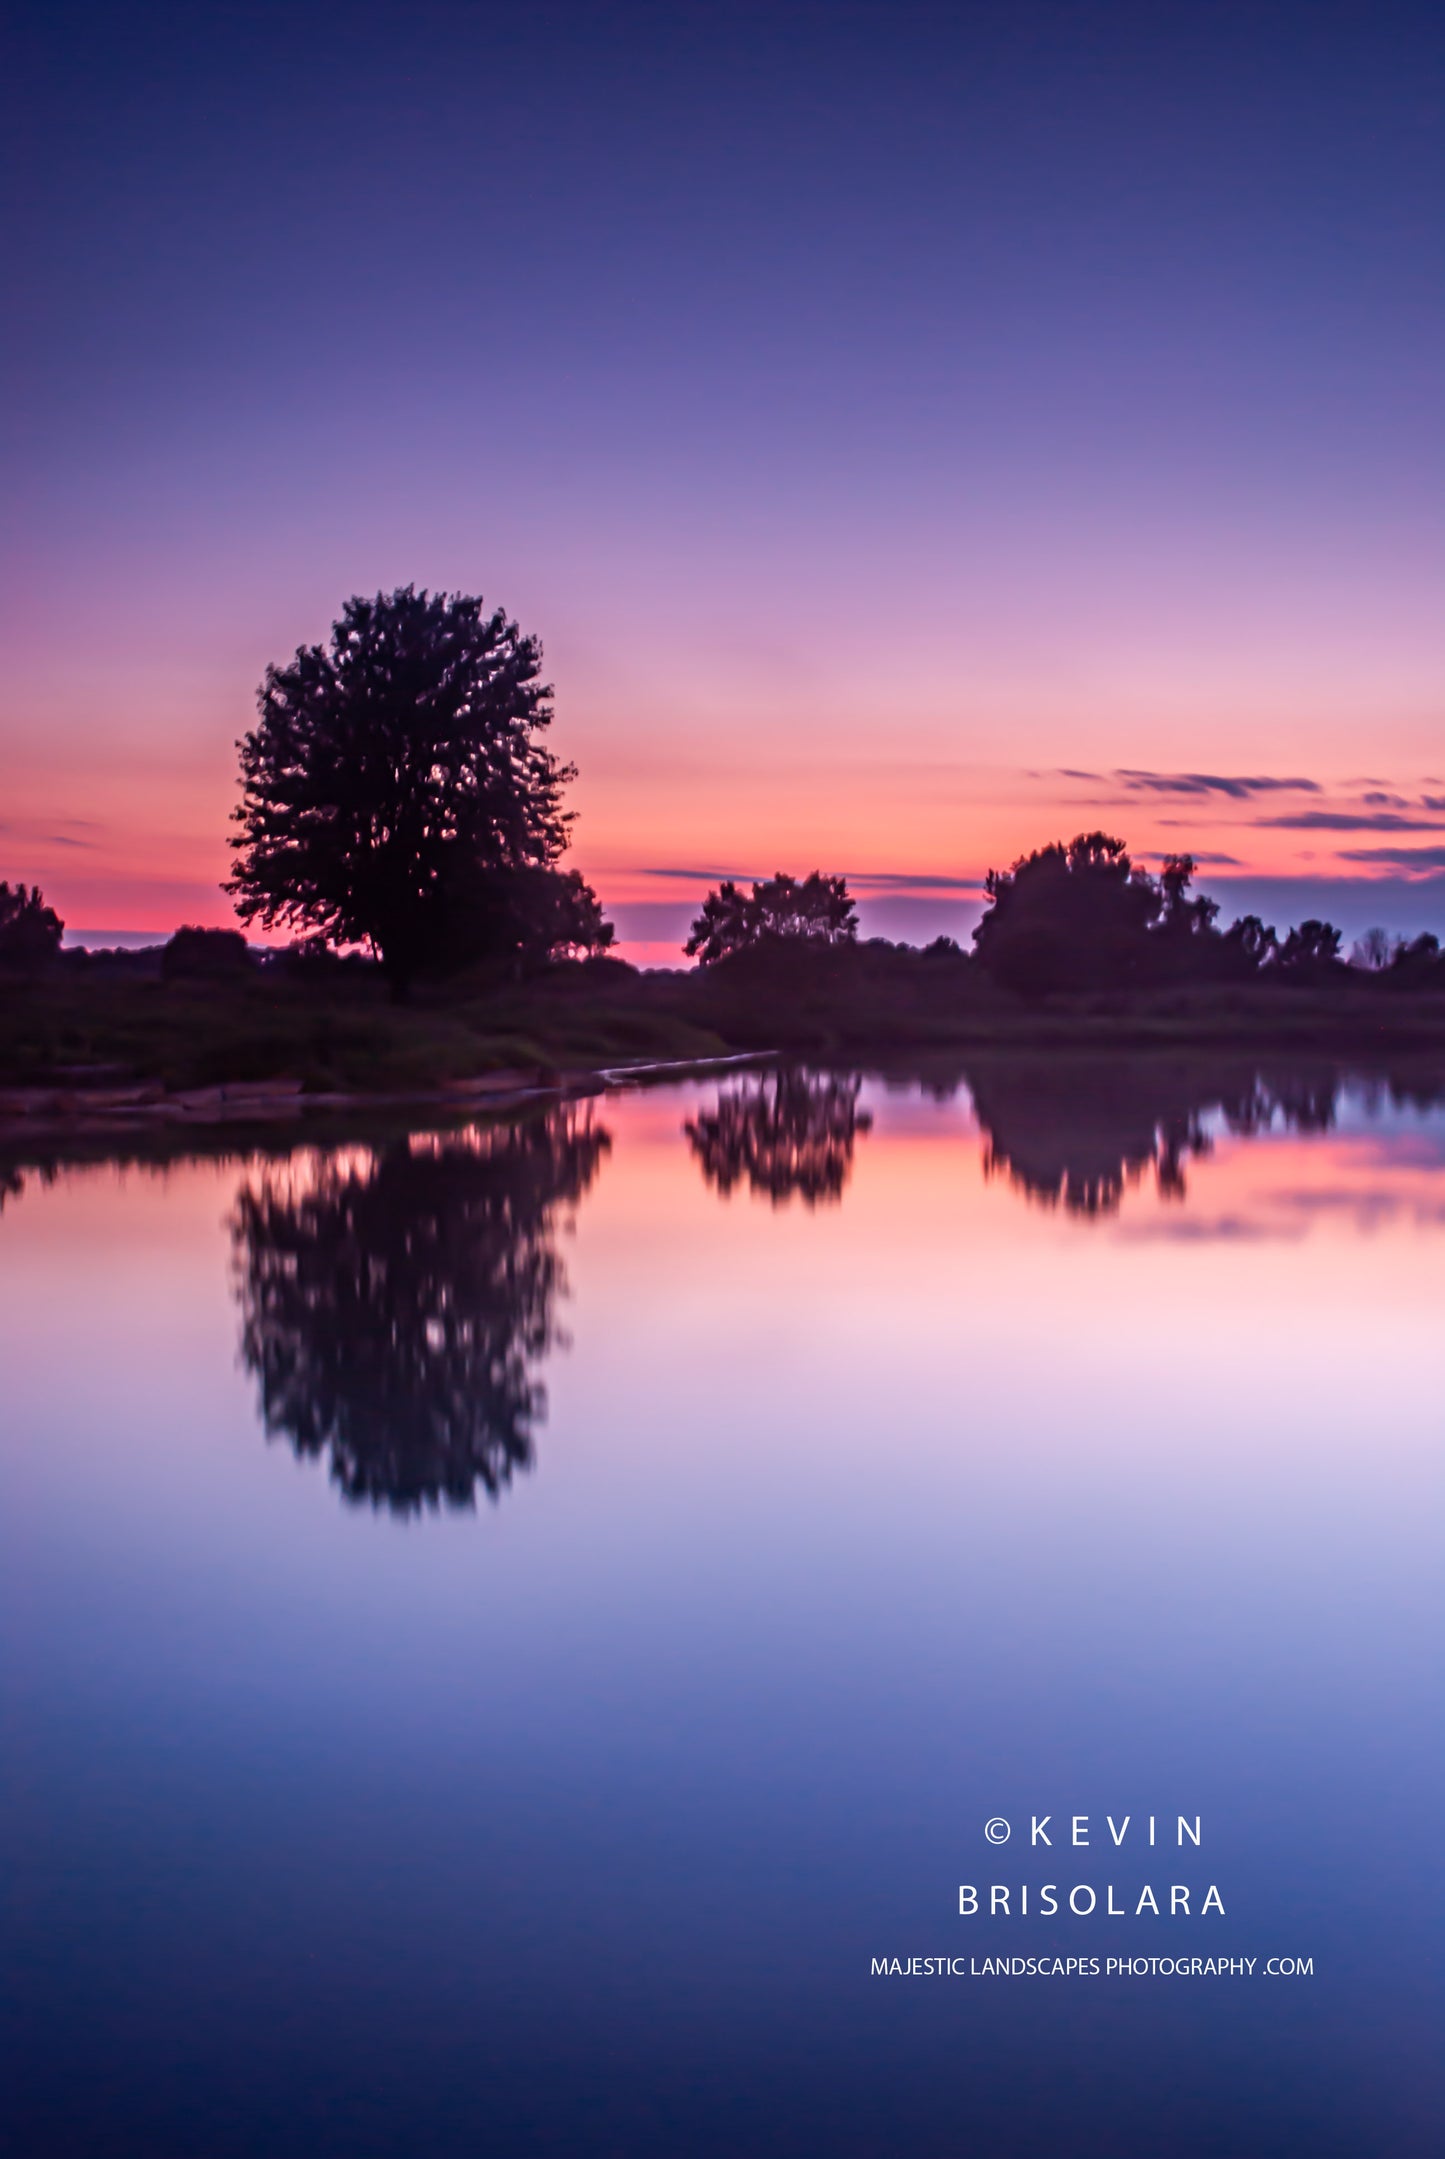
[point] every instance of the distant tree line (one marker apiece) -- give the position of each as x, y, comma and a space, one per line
1085, 916
1080, 915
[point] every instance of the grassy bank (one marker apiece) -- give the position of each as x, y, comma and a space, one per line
341, 1034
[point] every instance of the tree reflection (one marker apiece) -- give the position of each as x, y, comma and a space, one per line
1080, 1133
396, 1303
790, 1132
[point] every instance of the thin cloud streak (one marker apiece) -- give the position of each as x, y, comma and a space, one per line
1238, 787
1348, 821
1404, 858
1201, 860
900, 881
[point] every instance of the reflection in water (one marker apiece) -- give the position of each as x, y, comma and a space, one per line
793, 1131
1082, 1132
395, 1303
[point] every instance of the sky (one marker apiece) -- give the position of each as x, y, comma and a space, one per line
915, 433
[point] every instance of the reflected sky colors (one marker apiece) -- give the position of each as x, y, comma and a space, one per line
853, 1518
913, 431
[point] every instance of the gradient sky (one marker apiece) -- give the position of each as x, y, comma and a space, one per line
915, 433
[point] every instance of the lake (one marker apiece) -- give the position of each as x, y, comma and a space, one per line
512, 1634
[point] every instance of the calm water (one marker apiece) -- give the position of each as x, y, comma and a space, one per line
500, 1628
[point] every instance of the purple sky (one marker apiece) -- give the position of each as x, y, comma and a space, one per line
914, 433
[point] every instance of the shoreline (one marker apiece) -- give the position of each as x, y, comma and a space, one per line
81, 1056
132, 1110
58, 1116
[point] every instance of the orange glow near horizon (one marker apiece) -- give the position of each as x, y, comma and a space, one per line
121, 814
132, 851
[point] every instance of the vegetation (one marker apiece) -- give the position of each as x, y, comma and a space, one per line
818, 911
30, 932
397, 794
401, 812
1084, 916
332, 1027
195, 955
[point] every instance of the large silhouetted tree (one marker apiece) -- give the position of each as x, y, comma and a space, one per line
396, 1305
397, 792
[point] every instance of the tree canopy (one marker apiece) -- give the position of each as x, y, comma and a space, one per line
30, 932
818, 910
1085, 916
397, 793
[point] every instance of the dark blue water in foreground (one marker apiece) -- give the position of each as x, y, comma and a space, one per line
501, 1630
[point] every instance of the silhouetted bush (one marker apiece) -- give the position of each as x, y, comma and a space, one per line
197, 955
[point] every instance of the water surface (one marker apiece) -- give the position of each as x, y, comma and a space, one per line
502, 1626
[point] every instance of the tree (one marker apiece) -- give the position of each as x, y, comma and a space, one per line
1375, 951
397, 794
1179, 915
1310, 951
30, 932
519, 916
1417, 964
817, 911
1079, 916
1249, 944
